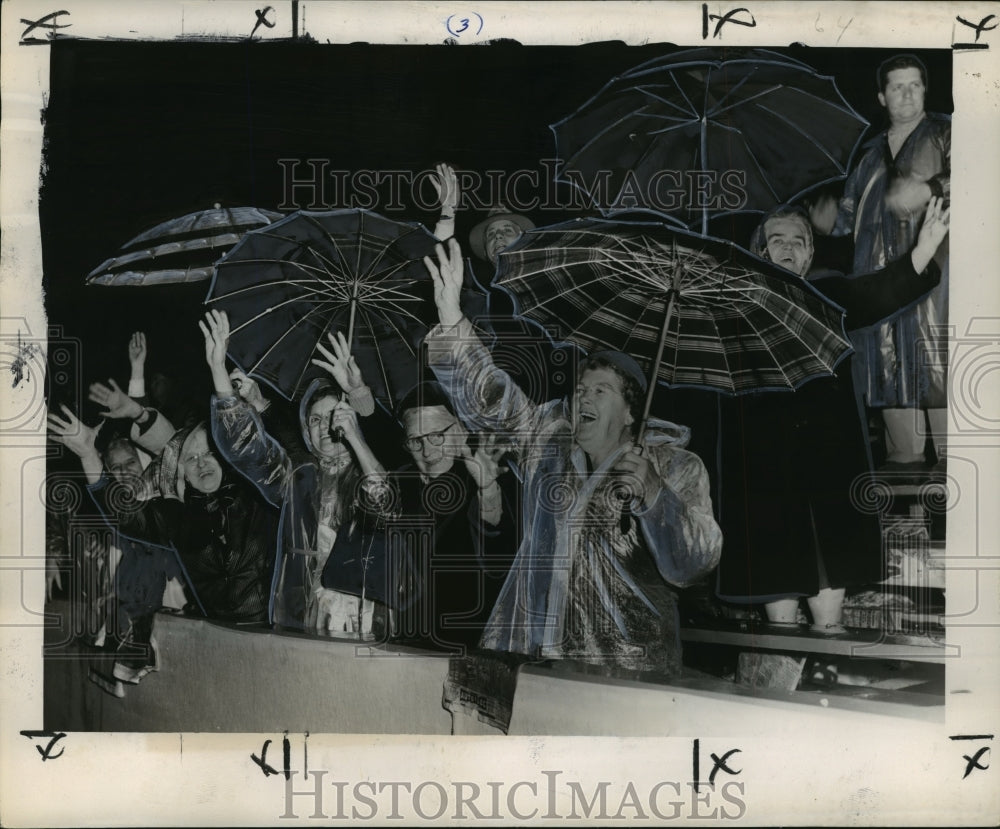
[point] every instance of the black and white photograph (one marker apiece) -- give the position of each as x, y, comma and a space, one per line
513, 412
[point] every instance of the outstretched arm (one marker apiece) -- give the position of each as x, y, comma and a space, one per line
137, 362
236, 425
80, 439
150, 429
871, 297
483, 396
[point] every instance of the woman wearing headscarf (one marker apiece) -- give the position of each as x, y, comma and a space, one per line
793, 464
222, 532
315, 496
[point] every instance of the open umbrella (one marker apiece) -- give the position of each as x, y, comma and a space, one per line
698, 312
286, 285
184, 249
693, 135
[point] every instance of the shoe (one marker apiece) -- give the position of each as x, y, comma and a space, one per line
828, 630
106, 684
132, 675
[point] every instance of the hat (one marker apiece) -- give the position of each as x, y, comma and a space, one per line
425, 394
624, 363
477, 237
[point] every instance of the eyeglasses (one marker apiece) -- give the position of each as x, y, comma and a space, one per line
415, 443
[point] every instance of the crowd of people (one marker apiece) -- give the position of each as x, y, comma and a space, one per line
473, 517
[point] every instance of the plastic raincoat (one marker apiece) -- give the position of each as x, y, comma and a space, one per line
583, 586
901, 363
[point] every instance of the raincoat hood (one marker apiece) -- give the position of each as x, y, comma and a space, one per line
317, 389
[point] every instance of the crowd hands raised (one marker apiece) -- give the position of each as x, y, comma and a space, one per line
236, 518
561, 529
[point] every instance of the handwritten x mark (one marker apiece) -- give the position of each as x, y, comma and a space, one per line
973, 762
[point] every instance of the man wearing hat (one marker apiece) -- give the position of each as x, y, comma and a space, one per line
498, 230
612, 520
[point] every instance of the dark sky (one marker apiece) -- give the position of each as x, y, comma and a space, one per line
137, 133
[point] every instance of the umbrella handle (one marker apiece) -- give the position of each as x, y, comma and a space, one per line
350, 323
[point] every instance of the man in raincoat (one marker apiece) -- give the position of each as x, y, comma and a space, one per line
902, 363
609, 527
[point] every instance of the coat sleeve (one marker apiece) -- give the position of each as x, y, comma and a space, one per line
679, 528
484, 396
940, 184
243, 441
871, 297
154, 434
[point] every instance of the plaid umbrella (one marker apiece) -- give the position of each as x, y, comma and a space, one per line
756, 128
184, 249
697, 311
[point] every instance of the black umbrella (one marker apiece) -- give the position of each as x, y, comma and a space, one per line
184, 249
693, 135
285, 286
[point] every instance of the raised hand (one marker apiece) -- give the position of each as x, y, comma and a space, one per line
484, 465
340, 362
215, 329
137, 353
907, 196
932, 233
345, 419
446, 185
116, 403
936, 223
447, 274
73, 433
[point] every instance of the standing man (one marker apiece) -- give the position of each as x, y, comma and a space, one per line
902, 363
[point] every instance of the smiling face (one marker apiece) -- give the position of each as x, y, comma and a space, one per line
122, 463
789, 243
903, 96
325, 445
601, 416
429, 425
498, 235
201, 468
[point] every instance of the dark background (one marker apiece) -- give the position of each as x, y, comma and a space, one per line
138, 133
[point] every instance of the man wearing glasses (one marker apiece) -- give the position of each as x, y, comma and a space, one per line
446, 529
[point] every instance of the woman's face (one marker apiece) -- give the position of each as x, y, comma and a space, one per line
122, 463
788, 244
202, 469
325, 445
